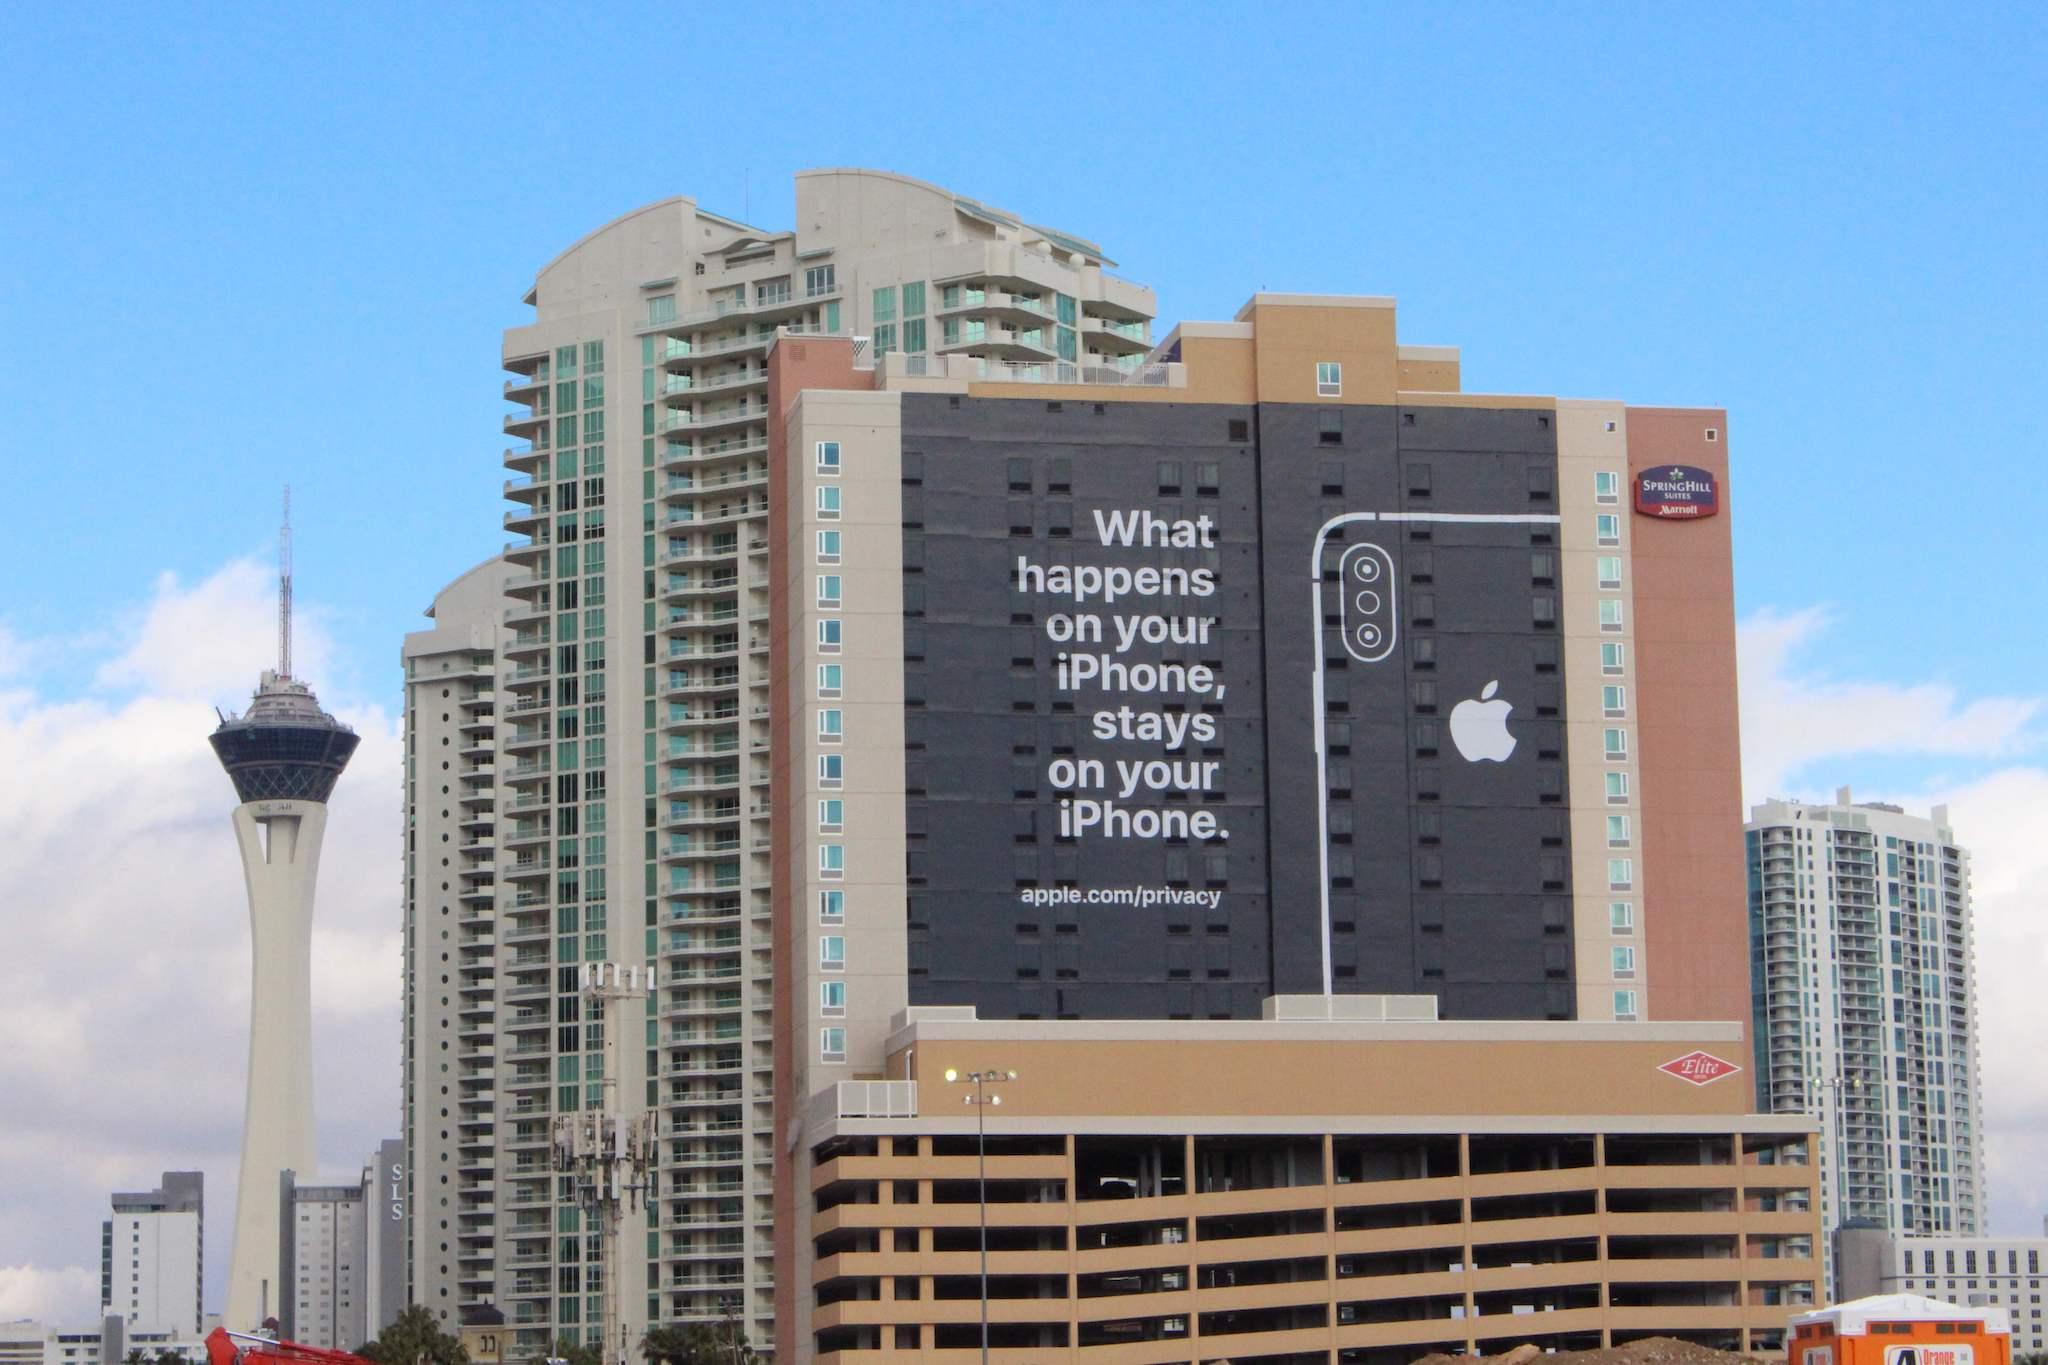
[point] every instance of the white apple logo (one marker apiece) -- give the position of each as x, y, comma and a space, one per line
1480, 728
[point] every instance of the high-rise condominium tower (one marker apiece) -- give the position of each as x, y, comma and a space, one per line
152, 1251
1864, 981
285, 755
587, 738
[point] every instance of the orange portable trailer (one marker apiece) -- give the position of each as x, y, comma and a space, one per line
1900, 1329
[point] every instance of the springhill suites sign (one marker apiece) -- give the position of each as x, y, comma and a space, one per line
1677, 491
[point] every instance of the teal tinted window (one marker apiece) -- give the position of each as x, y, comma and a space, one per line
885, 304
913, 299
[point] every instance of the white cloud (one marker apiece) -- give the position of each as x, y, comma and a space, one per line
1998, 818
125, 989
1795, 716
68, 1294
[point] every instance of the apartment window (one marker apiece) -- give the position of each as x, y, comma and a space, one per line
831, 770
828, 504
832, 952
831, 725
593, 357
1623, 956
1624, 1004
885, 304
831, 998
1617, 786
1607, 528
661, 308
829, 680
831, 815
832, 1044
831, 861
828, 457
1606, 486
1614, 699
1329, 379
1621, 917
1610, 613
1615, 742
1612, 656
828, 590
829, 636
913, 299
914, 336
1621, 874
884, 340
828, 547
820, 279
1608, 569
1617, 831
831, 907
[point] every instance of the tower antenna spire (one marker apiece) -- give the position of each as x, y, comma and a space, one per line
284, 589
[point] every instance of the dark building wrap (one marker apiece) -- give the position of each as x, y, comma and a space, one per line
1448, 876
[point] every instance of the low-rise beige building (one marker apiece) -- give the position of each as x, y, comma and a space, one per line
1295, 1189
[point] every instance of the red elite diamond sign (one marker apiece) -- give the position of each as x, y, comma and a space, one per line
1699, 1068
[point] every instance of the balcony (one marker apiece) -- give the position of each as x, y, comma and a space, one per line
896, 367
1113, 336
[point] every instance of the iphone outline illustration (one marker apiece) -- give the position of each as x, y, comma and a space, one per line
1373, 652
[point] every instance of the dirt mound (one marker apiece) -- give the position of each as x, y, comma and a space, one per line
1648, 1351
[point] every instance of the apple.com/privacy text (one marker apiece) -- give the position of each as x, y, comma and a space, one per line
1140, 896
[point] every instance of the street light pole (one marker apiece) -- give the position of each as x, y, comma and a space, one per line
981, 1100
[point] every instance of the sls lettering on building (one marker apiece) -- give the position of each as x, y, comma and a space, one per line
1118, 675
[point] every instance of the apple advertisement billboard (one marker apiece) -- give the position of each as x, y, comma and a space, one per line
1193, 721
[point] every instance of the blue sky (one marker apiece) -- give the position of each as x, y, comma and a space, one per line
283, 240
247, 245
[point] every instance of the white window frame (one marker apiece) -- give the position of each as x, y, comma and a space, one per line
836, 632
1621, 917
1627, 1004
1333, 385
1617, 787
1613, 701
828, 806
831, 591
828, 503
832, 999
1621, 960
831, 725
1619, 652
832, 1044
836, 686
829, 462
1614, 742
1607, 528
831, 862
1607, 484
828, 899
1621, 874
1611, 613
1618, 831
827, 960
831, 771
1601, 565
830, 556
